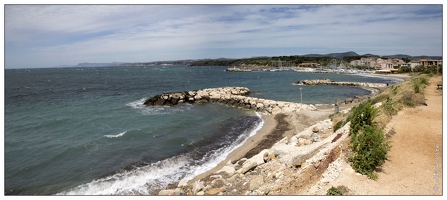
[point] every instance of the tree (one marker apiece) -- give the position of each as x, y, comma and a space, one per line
404, 69
406, 60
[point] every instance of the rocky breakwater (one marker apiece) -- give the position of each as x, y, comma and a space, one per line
288, 168
231, 96
326, 81
238, 70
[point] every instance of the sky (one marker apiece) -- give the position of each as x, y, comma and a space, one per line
52, 35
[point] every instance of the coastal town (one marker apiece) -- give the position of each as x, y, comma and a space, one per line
366, 65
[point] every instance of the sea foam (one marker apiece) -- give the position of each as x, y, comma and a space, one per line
117, 135
148, 179
157, 110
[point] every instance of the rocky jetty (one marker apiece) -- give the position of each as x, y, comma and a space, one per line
238, 70
326, 81
289, 163
231, 96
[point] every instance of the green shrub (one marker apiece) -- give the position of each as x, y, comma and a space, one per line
419, 82
423, 80
338, 125
390, 107
363, 115
333, 191
369, 151
417, 86
368, 142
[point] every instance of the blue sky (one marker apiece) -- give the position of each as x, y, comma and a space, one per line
53, 35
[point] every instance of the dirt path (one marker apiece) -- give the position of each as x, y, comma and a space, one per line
415, 160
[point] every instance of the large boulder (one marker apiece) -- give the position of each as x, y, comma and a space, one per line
276, 110
160, 102
253, 162
338, 102
227, 169
197, 186
348, 100
282, 149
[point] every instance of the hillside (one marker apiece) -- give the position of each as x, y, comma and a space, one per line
262, 61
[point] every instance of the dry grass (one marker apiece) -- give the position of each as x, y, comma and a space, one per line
405, 94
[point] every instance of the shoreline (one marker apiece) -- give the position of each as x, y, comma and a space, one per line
276, 127
269, 124
403, 76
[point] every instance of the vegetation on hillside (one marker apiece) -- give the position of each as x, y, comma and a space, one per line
369, 143
265, 61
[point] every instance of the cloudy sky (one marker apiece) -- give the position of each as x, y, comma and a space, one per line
54, 35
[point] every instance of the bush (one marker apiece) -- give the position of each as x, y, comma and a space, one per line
333, 191
419, 82
363, 115
390, 107
404, 69
338, 125
339, 190
369, 151
368, 142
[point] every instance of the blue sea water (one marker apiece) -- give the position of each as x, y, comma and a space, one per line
85, 131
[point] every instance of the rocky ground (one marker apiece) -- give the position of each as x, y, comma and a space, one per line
284, 163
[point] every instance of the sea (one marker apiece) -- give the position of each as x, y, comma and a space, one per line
85, 131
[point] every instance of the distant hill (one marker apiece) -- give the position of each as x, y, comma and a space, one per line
352, 54
259, 60
86, 64
334, 55
413, 57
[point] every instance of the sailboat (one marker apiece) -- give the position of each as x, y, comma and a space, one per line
279, 66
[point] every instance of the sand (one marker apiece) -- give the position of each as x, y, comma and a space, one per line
401, 76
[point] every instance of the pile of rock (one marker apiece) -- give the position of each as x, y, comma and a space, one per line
232, 96
237, 70
270, 171
356, 99
314, 82
326, 81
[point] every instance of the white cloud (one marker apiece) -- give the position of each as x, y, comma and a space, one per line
77, 33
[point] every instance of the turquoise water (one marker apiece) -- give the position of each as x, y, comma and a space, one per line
85, 131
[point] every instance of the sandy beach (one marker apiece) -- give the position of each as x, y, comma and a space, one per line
404, 76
